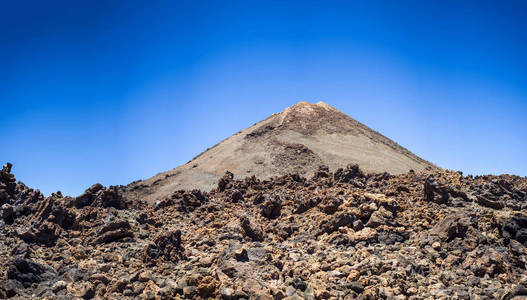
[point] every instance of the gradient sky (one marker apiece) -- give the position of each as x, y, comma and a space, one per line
115, 91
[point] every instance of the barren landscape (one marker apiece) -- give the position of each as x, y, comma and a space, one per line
309, 204
298, 139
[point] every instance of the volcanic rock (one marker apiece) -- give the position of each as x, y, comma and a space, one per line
165, 245
271, 208
28, 272
298, 140
319, 231
250, 230
98, 195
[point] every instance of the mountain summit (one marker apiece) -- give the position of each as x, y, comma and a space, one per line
299, 139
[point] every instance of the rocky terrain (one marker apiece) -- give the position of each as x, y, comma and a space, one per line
296, 140
335, 235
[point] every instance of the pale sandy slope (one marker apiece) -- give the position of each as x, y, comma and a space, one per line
299, 139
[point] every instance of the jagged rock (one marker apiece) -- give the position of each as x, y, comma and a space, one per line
4, 196
225, 181
515, 228
442, 194
452, 226
20, 251
98, 195
341, 236
322, 172
304, 204
110, 198
51, 210
100, 277
330, 205
486, 261
186, 201
293, 297
271, 208
250, 230
207, 287
7, 184
488, 202
19, 196
227, 294
390, 237
7, 167
379, 217
166, 245
10, 288
338, 220
383, 201
87, 292
119, 224
43, 233
113, 231
28, 272
365, 235
88, 196
259, 199
357, 225
348, 174
299, 284
357, 287
236, 196
433, 191
286, 230
7, 213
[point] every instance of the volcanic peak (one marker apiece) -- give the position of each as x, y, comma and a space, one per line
299, 139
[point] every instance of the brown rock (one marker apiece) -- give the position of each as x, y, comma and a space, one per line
112, 236
100, 277
207, 287
452, 226
241, 255
330, 205
338, 220
166, 245
250, 230
43, 233
271, 208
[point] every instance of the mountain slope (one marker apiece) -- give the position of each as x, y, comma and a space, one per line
299, 139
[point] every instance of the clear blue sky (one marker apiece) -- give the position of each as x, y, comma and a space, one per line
115, 91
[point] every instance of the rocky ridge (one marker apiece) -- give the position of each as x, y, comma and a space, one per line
337, 235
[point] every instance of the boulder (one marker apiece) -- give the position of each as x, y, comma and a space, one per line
346, 175
514, 227
271, 208
8, 213
166, 246
330, 205
225, 181
236, 196
249, 230
28, 272
42, 233
338, 220
99, 196
452, 226
113, 231
186, 201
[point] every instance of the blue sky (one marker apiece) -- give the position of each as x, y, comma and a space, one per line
115, 91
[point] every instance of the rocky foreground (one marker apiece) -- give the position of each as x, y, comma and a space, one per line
342, 235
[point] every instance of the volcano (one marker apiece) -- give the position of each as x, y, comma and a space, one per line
352, 232
297, 140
